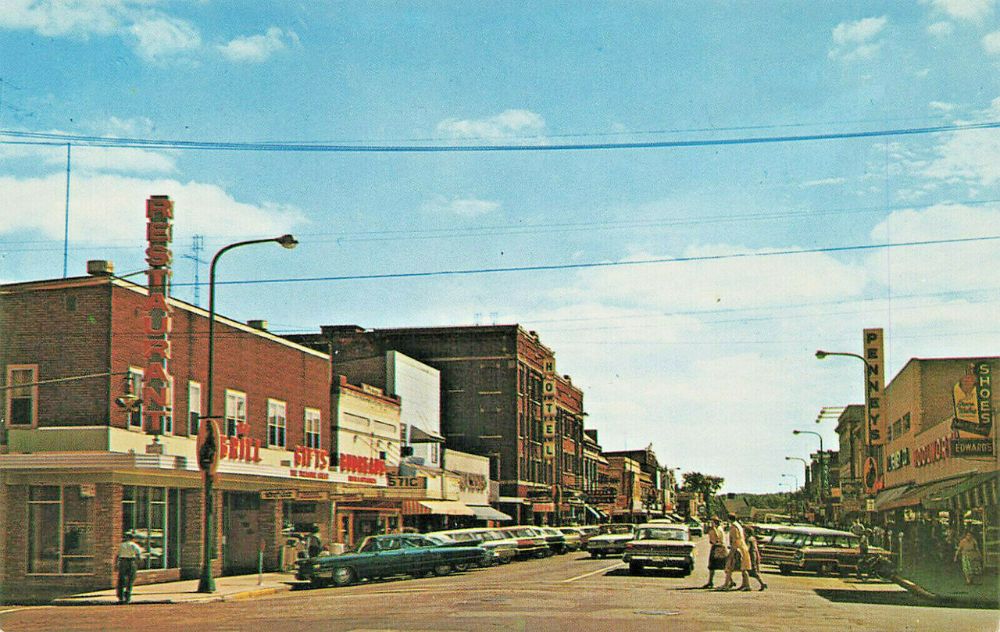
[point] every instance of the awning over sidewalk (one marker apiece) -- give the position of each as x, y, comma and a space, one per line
976, 490
914, 495
436, 507
484, 512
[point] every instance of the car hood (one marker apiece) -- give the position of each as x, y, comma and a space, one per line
664, 544
612, 537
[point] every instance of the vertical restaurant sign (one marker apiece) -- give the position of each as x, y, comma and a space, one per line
156, 382
874, 387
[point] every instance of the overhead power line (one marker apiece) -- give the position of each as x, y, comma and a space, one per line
14, 137
608, 264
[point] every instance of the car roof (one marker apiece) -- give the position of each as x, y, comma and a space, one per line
798, 529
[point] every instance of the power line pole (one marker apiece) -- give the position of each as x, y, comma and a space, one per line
197, 245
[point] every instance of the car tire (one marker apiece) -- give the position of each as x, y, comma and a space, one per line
635, 568
461, 568
826, 569
344, 576
784, 570
441, 569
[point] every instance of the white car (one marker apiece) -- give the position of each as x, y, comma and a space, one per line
662, 546
611, 540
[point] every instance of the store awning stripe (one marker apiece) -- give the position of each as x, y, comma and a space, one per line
436, 507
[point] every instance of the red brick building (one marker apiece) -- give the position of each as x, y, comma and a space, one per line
493, 381
84, 459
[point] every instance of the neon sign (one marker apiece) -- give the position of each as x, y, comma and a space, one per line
156, 385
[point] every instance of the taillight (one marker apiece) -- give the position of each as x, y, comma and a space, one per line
523, 542
630, 545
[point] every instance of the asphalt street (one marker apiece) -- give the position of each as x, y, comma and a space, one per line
568, 592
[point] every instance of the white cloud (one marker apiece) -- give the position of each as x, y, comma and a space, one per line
852, 41
464, 207
111, 207
122, 160
507, 124
944, 267
941, 106
970, 10
59, 18
159, 38
154, 35
991, 43
971, 157
940, 29
823, 182
257, 48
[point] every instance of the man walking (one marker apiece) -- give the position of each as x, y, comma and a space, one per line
128, 563
717, 552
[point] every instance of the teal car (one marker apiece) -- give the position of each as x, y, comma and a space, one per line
388, 555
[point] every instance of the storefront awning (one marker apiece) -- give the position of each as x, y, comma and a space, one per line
512, 500
913, 495
597, 513
484, 512
974, 490
437, 507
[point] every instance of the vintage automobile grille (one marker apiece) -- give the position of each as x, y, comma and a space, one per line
778, 553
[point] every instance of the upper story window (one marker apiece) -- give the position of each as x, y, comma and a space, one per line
133, 386
236, 411
22, 398
194, 408
276, 423
311, 431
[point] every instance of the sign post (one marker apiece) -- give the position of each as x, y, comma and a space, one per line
208, 462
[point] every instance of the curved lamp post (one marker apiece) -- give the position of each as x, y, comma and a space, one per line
822, 462
206, 584
805, 465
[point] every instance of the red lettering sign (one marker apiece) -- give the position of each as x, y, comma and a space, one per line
361, 464
155, 392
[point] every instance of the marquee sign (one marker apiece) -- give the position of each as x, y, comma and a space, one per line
156, 385
874, 387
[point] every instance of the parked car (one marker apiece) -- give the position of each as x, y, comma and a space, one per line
554, 538
662, 546
573, 537
587, 532
611, 540
812, 549
530, 543
387, 555
502, 550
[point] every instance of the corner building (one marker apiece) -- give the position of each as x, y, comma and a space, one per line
81, 463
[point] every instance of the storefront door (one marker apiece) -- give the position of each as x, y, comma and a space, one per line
240, 520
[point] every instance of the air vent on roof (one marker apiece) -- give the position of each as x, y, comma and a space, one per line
100, 267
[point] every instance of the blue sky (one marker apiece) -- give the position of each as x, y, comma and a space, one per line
711, 360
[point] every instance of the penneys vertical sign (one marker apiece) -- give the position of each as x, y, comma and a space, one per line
156, 384
874, 387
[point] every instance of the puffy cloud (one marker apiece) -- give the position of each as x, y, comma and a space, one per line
159, 38
823, 182
991, 43
507, 124
467, 207
940, 29
60, 18
110, 207
970, 10
853, 41
257, 48
941, 106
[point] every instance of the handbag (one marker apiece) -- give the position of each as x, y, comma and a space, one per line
718, 552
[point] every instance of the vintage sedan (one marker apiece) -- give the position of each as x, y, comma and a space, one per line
530, 543
555, 538
662, 546
385, 556
573, 537
811, 549
502, 550
611, 540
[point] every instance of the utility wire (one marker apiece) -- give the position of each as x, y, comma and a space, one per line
606, 264
47, 138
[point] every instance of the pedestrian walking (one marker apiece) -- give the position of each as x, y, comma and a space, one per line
717, 553
739, 556
972, 560
753, 545
127, 562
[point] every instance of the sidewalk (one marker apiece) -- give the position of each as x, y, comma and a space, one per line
946, 585
229, 588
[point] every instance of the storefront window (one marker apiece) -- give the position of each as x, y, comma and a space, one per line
153, 516
60, 530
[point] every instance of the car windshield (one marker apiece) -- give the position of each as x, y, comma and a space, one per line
661, 534
616, 528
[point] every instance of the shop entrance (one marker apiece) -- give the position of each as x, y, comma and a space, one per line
240, 519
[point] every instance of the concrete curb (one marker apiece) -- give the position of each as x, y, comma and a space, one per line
944, 600
253, 594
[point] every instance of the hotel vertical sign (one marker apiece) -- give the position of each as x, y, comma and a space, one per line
156, 382
874, 387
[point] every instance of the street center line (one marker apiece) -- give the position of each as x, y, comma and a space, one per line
601, 570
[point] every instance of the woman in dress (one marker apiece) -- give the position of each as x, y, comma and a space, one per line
717, 554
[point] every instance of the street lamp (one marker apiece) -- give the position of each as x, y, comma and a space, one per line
822, 462
206, 584
805, 464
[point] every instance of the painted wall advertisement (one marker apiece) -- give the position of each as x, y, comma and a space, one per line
972, 396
